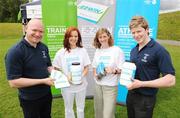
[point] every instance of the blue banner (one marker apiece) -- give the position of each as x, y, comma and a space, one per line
125, 10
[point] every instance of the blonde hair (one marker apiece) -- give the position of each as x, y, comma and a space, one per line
137, 21
96, 42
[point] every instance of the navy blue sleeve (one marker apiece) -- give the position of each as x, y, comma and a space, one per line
13, 63
165, 63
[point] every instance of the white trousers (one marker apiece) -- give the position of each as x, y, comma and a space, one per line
105, 101
69, 101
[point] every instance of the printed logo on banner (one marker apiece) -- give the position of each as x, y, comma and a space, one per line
91, 11
150, 2
124, 32
53, 31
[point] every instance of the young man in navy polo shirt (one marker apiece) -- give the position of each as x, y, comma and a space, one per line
28, 65
151, 60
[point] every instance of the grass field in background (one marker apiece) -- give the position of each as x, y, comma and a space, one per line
10, 30
169, 26
167, 103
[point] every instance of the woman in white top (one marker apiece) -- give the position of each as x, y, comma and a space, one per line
73, 52
112, 58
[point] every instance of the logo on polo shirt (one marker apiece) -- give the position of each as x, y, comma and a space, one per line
144, 59
44, 54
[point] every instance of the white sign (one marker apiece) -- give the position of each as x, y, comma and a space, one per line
91, 11
61, 80
127, 73
34, 11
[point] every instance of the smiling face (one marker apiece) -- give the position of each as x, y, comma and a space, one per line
34, 31
140, 30
140, 35
103, 39
73, 39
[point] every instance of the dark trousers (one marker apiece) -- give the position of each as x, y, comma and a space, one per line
140, 106
40, 108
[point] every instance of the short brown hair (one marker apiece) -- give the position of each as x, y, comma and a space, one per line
68, 34
137, 21
96, 42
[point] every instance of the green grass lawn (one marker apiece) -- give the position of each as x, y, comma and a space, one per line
169, 26
167, 103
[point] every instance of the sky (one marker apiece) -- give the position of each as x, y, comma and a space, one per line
165, 4
170, 4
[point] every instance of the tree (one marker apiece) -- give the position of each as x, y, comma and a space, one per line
9, 10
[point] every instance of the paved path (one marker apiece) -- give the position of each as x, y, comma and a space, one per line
170, 42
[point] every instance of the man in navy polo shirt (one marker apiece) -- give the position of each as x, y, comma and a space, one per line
28, 65
151, 60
